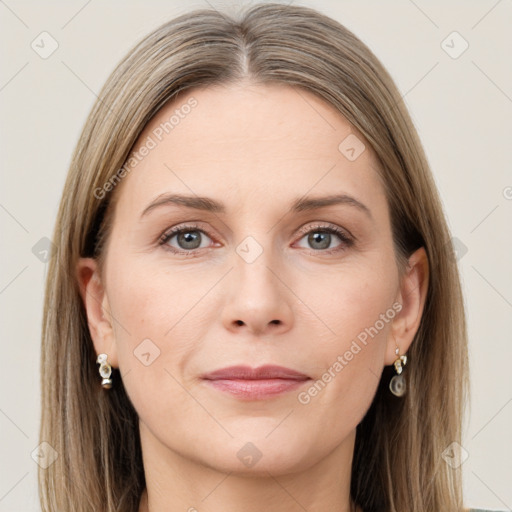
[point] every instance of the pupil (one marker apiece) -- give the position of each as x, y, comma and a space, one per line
189, 240
323, 238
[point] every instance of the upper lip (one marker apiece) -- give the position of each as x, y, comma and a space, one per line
248, 373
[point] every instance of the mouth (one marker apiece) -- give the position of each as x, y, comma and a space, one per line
246, 383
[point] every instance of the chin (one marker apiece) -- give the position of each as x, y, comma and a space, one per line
256, 456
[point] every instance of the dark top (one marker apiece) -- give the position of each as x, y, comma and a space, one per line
481, 510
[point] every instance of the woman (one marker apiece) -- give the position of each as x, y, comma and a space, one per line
254, 276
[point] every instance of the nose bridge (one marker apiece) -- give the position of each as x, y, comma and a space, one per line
258, 299
254, 263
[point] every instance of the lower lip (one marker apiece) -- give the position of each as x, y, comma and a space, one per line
256, 389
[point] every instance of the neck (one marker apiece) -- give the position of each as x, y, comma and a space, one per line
177, 483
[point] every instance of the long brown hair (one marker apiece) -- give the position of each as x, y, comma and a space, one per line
398, 463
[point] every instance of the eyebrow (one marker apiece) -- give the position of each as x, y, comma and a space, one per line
211, 205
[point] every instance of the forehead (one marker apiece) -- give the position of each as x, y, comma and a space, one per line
240, 140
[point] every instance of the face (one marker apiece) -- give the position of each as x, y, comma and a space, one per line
255, 275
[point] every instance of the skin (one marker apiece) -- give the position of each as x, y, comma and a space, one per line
256, 148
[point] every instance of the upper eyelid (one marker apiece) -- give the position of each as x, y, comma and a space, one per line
170, 232
327, 226
303, 230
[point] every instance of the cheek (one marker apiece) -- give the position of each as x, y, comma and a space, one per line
351, 300
144, 309
161, 318
151, 342
355, 314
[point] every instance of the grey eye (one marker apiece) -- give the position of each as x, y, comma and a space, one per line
189, 239
321, 238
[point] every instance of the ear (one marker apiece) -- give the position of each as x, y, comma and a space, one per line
97, 308
412, 295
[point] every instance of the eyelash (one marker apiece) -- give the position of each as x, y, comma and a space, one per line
347, 241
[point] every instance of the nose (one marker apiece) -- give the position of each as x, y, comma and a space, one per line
259, 299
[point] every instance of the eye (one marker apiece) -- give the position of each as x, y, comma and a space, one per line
188, 239
184, 239
321, 238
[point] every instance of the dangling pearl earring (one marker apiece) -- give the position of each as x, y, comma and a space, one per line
397, 384
105, 371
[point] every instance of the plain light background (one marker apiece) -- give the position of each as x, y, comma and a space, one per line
462, 108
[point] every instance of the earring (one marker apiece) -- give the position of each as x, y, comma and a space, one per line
397, 384
105, 371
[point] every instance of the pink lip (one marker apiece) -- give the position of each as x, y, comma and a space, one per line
247, 383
